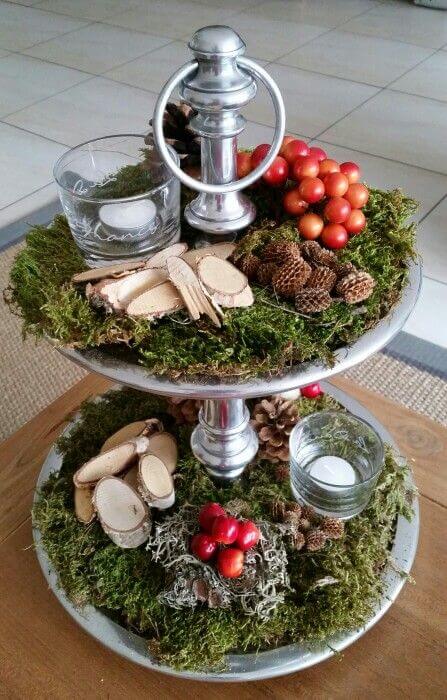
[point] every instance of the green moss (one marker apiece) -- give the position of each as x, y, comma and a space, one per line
125, 583
263, 338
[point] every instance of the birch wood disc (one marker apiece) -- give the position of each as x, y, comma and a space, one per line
107, 463
83, 503
164, 446
156, 302
220, 275
132, 430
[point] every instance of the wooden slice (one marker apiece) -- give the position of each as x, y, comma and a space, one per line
137, 283
155, 482
108, 463
220, 276
99, 273
164, 446
156, 302
233, 301
83, 504
160, 258
220, 250
104, 294
187, 283
122, 512
124, 434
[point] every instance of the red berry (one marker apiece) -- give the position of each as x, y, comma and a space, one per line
311, 189
286, 140
311, 391
355, 222
259, 154
336, 184
208, 513
203, 546
243, 164
328, 166
248, 536
230, 562
310, 226
293, 203
337, 210
225, 529
278, 172
305, 166
317, 153
357, 195
334, 236
351, 170
294, 149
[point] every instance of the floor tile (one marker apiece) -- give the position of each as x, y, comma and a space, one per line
231, 4
101, 106
329, 13
28, 160
89, 9
21, 27
429, 79
96, 48
367, 59
312, 101
426, 187
150, 72
173, 18
25, 80
269, 38
432, 240
37, 207
404, 22
429, 317
397, 126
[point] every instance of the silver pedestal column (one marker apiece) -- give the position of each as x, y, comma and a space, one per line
217, 84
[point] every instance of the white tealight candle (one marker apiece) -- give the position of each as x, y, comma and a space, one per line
333, 470
128, 215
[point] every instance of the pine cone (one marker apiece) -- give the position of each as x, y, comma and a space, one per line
278, 509
312, 301
248, 264
265, 273
184, 410
315, 540
309, 513
282, 473
304, 524
290, 277
332, 528
344, 269
281, 252
321, 278
291, 518
273, 419
356, 287
178, 133
297, 540
293, 507
316, 255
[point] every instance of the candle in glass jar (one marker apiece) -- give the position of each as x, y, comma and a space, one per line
333, 470
128, 215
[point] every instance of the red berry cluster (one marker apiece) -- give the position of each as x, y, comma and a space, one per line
311, 391
220, 529
332, 188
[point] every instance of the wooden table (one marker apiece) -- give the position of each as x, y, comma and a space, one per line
44, 654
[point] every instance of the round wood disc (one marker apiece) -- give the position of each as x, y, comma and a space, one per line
124, 434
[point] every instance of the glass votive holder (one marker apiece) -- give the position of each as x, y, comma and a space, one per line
121, 201
335, 462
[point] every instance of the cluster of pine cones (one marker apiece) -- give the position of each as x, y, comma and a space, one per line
307, 273
306, 529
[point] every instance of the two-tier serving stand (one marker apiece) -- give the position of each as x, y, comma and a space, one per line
218, 83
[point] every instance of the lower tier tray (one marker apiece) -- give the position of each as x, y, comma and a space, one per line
243, 667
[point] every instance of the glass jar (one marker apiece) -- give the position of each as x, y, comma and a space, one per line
335, 462
121, 201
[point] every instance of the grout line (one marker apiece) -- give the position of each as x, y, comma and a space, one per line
16, 201
434, 279
433, 207
34, 133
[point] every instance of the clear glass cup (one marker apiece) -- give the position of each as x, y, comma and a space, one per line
121, 201
335, 462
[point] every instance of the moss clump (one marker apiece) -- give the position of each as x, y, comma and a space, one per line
264, 338
125, 583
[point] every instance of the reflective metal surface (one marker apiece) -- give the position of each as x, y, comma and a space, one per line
296, 376
217, 85
243, 667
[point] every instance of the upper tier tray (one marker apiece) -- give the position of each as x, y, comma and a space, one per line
298, 375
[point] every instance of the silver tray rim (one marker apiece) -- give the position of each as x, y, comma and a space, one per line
303, 374
241, 667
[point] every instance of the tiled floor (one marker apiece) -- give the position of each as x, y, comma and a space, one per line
366, 78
